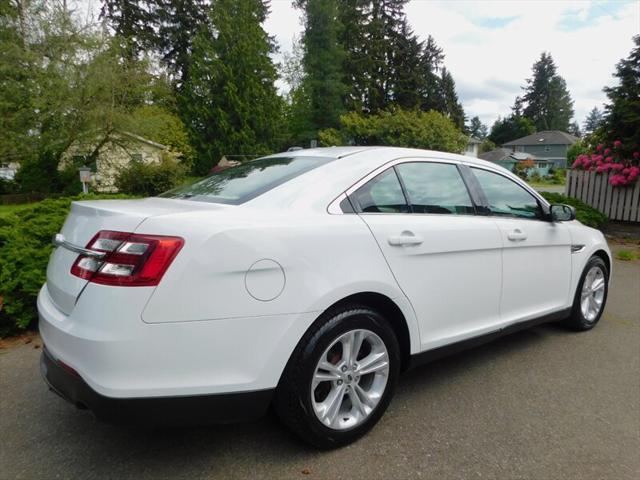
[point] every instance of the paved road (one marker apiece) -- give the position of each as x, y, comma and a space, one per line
541, 404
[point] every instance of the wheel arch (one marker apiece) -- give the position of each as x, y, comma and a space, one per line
605, 258
390, 310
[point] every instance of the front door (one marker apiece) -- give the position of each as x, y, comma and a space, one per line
446, 259
536, 258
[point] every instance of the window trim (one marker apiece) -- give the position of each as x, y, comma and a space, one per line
544, 205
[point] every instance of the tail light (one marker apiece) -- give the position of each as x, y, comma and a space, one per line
131, 260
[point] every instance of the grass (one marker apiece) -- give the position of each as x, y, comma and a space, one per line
625, 255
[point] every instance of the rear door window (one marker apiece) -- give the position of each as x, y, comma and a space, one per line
435, 188
382, 194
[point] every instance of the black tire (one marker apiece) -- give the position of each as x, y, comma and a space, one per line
577, 320
293, 396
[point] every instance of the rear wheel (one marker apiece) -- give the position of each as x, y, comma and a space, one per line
591, 296
341, 377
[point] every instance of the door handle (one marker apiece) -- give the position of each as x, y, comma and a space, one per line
516, 235
404, 239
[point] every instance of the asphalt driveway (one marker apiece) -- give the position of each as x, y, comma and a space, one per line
540, 404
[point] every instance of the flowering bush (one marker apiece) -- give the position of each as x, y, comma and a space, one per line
625, 171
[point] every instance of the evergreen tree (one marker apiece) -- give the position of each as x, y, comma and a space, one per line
593, 120
353, 16
574, 129
452, 107
230, 102
477, 129
546, 101
623, 112
510, 128
408, 80
431, 62
322, 62
178, 22
131, 20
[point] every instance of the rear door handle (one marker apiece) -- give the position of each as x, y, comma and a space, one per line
404, 239
516, 235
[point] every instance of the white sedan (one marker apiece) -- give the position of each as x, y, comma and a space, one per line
307, 280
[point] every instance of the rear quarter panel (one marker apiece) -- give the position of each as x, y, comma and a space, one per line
324, 258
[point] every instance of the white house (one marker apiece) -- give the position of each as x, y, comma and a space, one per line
113, 154
8, 170
473, 147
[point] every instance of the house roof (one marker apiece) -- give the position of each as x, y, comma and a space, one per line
506, 155
545, 137
142, 139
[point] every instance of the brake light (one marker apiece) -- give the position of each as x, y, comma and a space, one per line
131, 260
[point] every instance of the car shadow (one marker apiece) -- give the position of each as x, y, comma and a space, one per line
265, 442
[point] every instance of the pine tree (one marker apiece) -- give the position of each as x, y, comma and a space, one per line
178, 22
230, 102
431, 62
452, 107
408, 80
546, 101
623, 110
353, 16
593, 120
131, 20
477, 129
322, 62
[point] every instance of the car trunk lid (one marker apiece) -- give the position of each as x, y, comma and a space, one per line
87, 218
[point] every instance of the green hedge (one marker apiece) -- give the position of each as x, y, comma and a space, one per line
25, 246
587, 215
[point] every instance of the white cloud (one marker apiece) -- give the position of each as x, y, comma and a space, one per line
490, 46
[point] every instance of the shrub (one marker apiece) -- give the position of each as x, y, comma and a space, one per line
585, 214
25, 246
151, 179
400, 128
625, 169
8, 186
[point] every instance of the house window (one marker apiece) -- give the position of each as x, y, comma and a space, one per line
136, 157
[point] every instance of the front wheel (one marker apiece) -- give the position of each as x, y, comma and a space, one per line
340, 378
591, 296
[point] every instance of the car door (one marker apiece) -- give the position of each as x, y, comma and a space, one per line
445, 258
536, 257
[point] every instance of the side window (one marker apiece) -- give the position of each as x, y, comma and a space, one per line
381, 194
507, 198
435, 188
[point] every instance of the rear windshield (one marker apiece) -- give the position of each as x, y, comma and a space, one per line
243, 182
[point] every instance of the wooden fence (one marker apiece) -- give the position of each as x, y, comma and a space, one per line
617, 203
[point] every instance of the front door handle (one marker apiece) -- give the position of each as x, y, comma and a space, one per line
516, 235
404, 239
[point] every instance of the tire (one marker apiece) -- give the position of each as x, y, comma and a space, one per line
298, 404
578, 320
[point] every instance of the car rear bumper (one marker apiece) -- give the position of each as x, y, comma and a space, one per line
165, 411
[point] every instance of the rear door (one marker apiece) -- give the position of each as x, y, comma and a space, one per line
536, 258
445, 258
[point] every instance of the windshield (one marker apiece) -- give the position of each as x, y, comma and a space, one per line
243, 182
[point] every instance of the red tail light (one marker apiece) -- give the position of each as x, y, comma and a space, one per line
131, 260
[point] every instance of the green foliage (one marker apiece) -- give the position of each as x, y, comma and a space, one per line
8, 186
322, 63
25, 246
593, 120
160, 125
230, 104
623, 111
584, 213
452, 107
576, 149
402, 128
150, 179
510, 128
477, 129
41, 175
487, 145
546, 100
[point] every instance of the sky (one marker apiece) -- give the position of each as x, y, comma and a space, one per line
490, 46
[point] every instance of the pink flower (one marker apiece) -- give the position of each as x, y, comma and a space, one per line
617, 144
617, 166
636, 155
609, 159
599, 147
577, 162
607, 151
625, 171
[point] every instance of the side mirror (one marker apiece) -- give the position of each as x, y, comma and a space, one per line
562, 213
